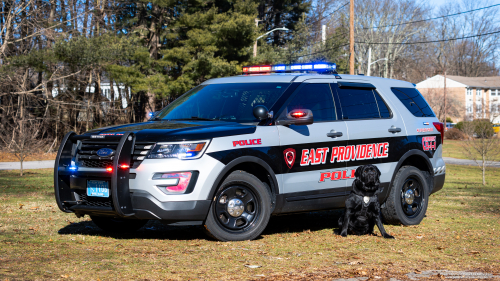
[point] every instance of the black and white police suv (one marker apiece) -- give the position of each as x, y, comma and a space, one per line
233, 151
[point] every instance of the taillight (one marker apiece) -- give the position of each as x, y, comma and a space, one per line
440, 127
109, 169
124, 166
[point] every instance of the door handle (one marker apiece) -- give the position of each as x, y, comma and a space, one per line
393, 129
334, 134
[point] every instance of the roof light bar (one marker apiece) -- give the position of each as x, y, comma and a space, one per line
318, 67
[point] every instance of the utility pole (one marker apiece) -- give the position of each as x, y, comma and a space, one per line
351, 38
369, 61
323, 33
445, 99
255, 44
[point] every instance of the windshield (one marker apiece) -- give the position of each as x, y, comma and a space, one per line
226, 102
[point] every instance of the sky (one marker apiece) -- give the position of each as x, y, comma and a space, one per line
438, 3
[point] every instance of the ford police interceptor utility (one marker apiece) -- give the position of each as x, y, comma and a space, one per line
233, 151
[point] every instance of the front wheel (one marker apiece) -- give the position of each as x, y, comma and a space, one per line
118, 225
408, 198
240, 210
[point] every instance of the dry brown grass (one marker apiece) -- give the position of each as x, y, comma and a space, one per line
9, 157
37, 241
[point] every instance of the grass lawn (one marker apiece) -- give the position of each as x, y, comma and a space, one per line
9, 157
453, 148
37, 241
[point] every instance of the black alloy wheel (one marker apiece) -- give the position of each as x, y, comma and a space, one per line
241, 208
236, 208
408, 197
412, 197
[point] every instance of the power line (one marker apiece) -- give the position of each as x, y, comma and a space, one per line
319, 52
440, 17
425, 42
334, 36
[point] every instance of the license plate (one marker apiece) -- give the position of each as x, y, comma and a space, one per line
97, 188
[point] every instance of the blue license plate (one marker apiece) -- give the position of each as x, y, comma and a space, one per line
97, 188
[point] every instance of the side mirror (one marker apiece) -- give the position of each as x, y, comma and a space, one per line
297, 117
261, 112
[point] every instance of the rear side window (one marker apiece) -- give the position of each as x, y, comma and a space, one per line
362, 103
382, 107
316, 97
413, 101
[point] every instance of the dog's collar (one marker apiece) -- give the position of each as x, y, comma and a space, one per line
361, 193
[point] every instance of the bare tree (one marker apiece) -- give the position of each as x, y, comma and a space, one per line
22, 138
384, 23
480, 144
435, 98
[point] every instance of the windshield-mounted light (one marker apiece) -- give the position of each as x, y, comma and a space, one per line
179, 150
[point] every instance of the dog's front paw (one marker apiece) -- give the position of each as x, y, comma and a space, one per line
343, 233
387, 236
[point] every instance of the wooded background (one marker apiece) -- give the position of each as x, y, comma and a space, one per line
158, 49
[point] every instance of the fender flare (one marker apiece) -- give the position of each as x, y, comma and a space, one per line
240, 160
406, 156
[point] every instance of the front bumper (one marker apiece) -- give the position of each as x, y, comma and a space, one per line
146, 206
133, 194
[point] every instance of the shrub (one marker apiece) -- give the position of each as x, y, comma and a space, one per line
454, 134
479, 128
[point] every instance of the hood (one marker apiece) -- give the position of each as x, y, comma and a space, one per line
164, 131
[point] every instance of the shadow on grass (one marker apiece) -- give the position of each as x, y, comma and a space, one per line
314, 221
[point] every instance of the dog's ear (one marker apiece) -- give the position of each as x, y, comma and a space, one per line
358, 172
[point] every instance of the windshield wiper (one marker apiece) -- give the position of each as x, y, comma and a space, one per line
197, 118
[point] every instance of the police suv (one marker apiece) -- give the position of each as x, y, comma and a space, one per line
233, 151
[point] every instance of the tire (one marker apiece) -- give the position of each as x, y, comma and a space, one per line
408, 198
118, 225
240, 209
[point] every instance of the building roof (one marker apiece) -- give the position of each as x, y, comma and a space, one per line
482, 82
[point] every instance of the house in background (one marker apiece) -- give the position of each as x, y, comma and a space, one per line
120, 91
478, 97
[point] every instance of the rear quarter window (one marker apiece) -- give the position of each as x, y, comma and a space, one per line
413, 101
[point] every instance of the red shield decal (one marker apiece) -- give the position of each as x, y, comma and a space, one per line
289, 154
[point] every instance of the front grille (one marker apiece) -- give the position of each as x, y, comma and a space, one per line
81, 195
87, 154
96, 163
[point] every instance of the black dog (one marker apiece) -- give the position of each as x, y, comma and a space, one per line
362, 207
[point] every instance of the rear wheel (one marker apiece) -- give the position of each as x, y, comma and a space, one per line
118, 225
408, 198
240, 210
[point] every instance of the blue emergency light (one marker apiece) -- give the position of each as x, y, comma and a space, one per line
296, 67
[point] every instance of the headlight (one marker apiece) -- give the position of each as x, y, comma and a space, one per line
180, 150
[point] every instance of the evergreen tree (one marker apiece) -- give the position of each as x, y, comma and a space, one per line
281, 13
